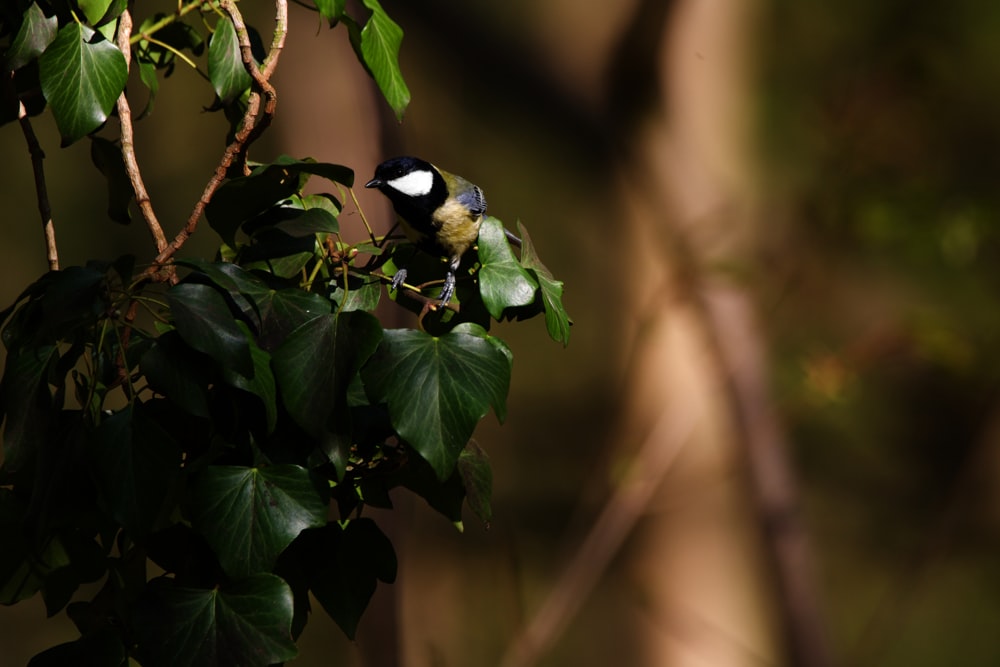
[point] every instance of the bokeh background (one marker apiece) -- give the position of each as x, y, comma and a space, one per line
774, 438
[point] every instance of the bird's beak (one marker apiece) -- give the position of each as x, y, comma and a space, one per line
374, 183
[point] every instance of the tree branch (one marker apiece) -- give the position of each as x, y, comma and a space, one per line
128, 145
37, 167
252, 125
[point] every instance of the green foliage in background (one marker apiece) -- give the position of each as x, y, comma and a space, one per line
227, 420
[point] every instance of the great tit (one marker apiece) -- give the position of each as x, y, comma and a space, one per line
440, 213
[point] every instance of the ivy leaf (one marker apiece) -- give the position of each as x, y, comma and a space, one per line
331, 10
34, 36
557, 320
438, 389
206, 323
247, 622
107, 157
24, 401
81, 75
95, 10
261, 384
308, 222
225, 64
477, 479
249, 515
283, 311
178, 372
316, 363
103, 647
22, 568
503, 282
135, 464
357, 557
378, 43
147, 74
240, 199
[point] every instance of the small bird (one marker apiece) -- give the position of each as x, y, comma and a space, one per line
439, 212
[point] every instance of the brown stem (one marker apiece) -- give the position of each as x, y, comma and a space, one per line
250, 127
37, 167
128, 145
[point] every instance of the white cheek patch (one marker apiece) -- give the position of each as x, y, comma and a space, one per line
413, 184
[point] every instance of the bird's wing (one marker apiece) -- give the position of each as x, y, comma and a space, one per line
474, 199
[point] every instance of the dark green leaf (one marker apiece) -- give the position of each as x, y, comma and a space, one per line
245, 623
88, 563
206, 323
147, 74
379, 47
557, 320
107, 157
438, 389
22, 570
503, 283
178, 372
362, 557
240, 199
261, 384
342, 567
100, 649
279, 254
34, 36
225, 65
316, 363
135, 463
285, 310
25, 400
241, 287
81, 77
249, 515
309, 222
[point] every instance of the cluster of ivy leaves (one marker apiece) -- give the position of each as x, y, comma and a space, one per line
229, 429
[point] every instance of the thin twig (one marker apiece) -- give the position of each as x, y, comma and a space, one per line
250, 128
182, 11
37, 167
128, 142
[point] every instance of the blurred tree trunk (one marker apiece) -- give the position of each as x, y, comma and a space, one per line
718, 591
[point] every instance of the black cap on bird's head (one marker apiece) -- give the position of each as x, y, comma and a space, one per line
414, 186
390, 174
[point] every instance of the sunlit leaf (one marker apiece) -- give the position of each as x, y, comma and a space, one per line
378, 44
438, 388
557, 320
81, 77
503, 282
226, 71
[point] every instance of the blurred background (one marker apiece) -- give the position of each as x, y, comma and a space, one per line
774, 438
